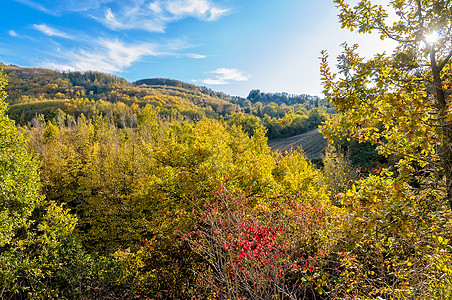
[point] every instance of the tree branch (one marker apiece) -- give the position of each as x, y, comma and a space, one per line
421, 19
443, 64
392, 37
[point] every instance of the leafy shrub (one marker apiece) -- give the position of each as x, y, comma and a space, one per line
262, 248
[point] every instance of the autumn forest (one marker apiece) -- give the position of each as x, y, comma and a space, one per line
161, 189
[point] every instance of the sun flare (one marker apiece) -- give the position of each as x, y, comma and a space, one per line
432, 37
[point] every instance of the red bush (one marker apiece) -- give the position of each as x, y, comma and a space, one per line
270, 247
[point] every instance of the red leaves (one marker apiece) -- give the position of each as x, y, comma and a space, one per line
267, 240
255, 241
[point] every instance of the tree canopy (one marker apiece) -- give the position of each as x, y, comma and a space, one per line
399, 100
398, 217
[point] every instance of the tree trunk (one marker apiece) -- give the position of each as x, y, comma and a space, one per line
446, 126
447, 160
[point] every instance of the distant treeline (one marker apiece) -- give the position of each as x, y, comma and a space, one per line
25, 83
34, 92
285, 98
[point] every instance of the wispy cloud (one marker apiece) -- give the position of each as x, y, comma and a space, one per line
216, 13
12, 33
131, 18
195, 55
37, 6
223, 76
111, 21
154, 16
58, 7
156, 7
113, 54
147, 15
110, 56
197, 8
47, 30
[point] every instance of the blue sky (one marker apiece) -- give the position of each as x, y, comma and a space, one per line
228, 45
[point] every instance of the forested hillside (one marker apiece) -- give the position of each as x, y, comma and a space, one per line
127, 206
52, 94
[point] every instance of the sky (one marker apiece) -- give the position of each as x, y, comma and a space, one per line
232, 46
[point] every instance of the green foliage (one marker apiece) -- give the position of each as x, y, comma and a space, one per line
176, 187
40, 257
394, 239
40, 91
25, 84
389, 100
134, 164
296, 175
132, 161
49, 93
134, 189
18, 176
390, 240
292, 123
337, 170
284, 98
249, 123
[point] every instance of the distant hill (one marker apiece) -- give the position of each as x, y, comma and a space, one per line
52, 94
256, 96
45, 83
166, 82
37, 91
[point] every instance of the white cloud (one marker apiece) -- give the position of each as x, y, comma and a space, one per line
202, 9
147, 15
223, 76
198, 8
216, 13
195, 55
79, 5
58, 7
113, 55
156, 7
47, 30
12, 33
111, 21
36, 6
110, 56
132, 18
124, 55
154, 16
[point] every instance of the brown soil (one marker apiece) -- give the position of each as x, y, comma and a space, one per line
311, 142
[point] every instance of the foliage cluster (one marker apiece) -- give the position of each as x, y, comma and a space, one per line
150, 180
397, 221
263, 248
40, 257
